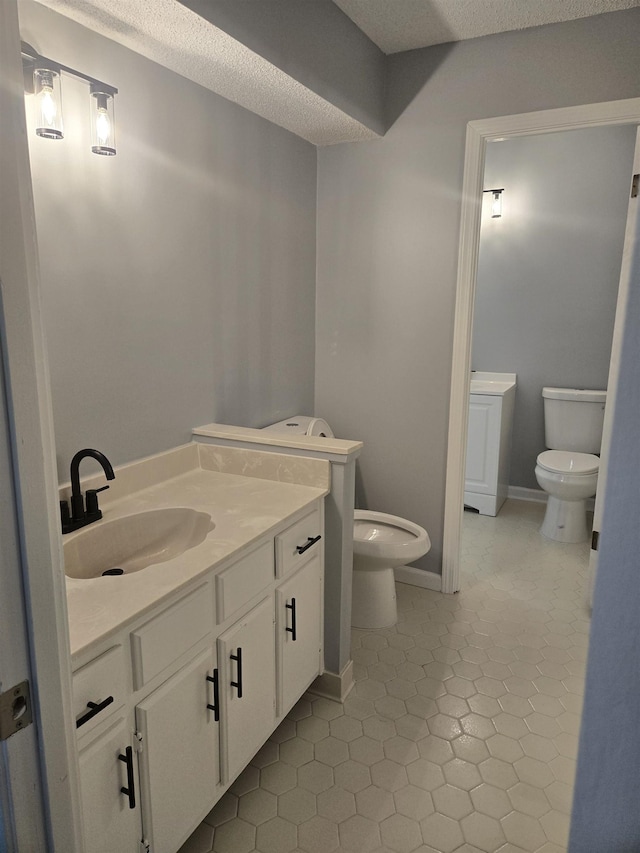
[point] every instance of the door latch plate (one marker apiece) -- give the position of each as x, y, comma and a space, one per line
16, 711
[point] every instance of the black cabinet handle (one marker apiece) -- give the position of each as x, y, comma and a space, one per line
94, 708
238, 684
130, 790
216, 695
292, 629
310, 541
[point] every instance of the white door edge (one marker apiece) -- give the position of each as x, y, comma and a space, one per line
630, 239
478, 132
33, 458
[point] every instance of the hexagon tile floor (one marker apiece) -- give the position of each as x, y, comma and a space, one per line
460, 734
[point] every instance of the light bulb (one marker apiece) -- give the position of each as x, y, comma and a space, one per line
496, 204
48, 103
102, 121
103, 127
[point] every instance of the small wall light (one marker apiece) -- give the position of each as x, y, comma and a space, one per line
43, 79
496, 202
46, 87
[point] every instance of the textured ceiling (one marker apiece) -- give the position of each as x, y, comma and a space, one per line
396, 25
172, 35
168, 33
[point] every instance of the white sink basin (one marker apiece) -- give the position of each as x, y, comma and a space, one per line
134, 542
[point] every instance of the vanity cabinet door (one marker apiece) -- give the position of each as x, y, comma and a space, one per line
299, 620
179, 761
110, 823
483, 444
246, 653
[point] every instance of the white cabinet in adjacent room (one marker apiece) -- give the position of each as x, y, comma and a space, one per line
491, 403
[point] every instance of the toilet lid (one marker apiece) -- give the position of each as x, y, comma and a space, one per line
567, 462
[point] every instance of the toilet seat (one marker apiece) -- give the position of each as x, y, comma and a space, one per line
568, 462
388, 538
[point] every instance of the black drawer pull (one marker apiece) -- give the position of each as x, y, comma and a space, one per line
94, 708
216, 695
310, 541
292, 629
238, 684
130, 790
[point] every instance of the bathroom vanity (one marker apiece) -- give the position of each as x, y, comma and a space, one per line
491, 403
182, 670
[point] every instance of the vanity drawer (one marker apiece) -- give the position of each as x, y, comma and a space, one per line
242, 581
99, 688
161, 641
298, 543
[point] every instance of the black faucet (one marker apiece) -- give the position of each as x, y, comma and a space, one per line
80, 515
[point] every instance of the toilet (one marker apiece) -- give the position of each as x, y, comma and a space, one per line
568, 470
380, 543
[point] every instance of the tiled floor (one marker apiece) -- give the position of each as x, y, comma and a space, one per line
461, 732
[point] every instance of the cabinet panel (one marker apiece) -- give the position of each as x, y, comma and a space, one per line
299, 536
99, 689
109, 822
246, 653
245, 579
299, 620
180, 754
483, 444
161, 641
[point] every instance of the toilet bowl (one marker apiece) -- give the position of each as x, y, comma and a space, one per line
381, 542
569, 479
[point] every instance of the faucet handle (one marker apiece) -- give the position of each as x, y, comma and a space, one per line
92, 501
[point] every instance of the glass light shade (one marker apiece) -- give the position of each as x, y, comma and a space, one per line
496, 204
48, 95
103, 140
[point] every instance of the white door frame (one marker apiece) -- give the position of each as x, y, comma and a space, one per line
478, 133
34, 470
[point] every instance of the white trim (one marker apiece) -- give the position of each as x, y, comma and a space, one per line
478, 132
332, 686
521, 493
418, 577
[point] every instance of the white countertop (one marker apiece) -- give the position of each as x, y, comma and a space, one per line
248, 435
242, 508
494, 384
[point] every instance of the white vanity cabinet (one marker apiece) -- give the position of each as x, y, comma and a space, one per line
247, 687
108, 764
179, 759
180, 701
491, 404
298, 633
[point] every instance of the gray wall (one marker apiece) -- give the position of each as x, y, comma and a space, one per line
548, 269
178, 276
606, 816
388, 225
314, 42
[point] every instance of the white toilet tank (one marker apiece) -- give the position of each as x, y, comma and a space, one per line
573, 419
302, 425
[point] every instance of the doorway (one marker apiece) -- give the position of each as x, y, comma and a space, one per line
478, 135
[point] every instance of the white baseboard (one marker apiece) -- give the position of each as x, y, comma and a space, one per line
520, 493
418, 577
332, 685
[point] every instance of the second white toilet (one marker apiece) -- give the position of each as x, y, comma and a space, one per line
568, 471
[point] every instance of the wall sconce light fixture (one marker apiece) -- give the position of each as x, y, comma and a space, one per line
496, 202
42, 78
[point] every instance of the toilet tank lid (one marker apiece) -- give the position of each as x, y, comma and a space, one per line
582, 395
